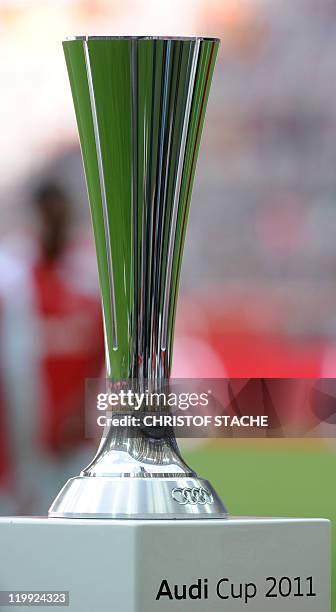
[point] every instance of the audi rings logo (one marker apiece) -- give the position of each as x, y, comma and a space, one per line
192, 496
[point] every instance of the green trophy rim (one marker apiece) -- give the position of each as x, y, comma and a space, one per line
144, 37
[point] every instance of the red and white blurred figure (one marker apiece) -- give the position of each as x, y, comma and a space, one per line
51, 340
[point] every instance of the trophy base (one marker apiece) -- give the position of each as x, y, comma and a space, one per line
154, 497
261, 565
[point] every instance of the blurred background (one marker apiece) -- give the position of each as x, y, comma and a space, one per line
258, 290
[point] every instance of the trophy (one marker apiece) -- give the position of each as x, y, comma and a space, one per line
140, 104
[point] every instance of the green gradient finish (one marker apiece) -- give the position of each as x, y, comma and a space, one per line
147, 105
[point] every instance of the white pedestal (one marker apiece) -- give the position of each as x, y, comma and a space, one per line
252, 564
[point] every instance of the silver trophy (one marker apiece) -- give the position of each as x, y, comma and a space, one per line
140, 104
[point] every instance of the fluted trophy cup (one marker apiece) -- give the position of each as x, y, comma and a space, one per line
140, 104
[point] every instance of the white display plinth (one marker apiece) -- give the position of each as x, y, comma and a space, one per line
252, 564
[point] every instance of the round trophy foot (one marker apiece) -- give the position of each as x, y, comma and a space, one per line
137, 498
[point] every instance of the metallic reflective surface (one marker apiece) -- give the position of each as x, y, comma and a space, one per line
125, 498
140, 104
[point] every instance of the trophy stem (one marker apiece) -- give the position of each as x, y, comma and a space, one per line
137, 473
